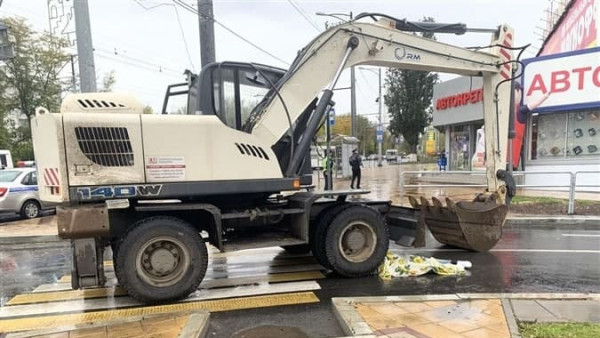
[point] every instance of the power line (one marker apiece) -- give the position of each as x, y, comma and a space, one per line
304, 15
187, 51
159, 67
195, 11
138, 65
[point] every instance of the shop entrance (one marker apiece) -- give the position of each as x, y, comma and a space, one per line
460, 147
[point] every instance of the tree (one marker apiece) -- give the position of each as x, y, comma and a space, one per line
148, 110
364, 128
29, 80
408, 99
108, 82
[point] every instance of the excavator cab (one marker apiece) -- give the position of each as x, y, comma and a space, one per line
229, 90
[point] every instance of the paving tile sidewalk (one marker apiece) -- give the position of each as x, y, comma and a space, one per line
460, 315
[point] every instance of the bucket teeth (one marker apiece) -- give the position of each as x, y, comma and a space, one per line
473, 225
414, 203
437, 203
451, 205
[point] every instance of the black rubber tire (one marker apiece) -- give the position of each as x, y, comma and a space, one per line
143, 233
367, 218
318, 231
32, 203
296, 249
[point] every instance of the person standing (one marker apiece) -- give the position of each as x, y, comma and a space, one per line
355, 163
327, 164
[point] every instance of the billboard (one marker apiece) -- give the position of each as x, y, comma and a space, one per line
577, 30
573, 78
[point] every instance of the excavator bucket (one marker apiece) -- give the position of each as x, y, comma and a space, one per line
475, 226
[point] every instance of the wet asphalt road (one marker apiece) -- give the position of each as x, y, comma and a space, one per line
525, 260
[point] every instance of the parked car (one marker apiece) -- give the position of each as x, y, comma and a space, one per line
19, 192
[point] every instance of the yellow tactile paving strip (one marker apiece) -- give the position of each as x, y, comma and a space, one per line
44, 297
164, 326
44, 322
448, 319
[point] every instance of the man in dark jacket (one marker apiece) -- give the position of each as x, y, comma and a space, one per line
355, 163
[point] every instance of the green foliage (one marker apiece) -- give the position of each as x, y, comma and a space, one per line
148, 110
108, 82
559, 330
408, 100
365, 131
29, 80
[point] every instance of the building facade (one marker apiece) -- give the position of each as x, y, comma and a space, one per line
563, 134
458, 112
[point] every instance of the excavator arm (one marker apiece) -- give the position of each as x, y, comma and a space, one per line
382, 44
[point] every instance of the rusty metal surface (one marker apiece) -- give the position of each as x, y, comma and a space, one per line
82, 221
473, 225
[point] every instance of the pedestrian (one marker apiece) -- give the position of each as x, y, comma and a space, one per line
442, 161
327, 165
355, 163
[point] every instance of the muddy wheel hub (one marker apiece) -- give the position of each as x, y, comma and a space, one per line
162, 261
357, 242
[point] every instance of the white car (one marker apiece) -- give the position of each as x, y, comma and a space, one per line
19, 192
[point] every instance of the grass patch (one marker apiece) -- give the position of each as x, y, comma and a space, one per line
559, 330
548, 200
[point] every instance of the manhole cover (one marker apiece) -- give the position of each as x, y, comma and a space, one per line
269, 331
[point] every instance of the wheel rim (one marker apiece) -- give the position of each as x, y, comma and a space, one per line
162, 261
357, 242
31, 210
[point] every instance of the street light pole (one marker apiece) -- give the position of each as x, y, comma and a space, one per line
380, 127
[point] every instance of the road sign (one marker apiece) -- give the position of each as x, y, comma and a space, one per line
380, 138
331, 116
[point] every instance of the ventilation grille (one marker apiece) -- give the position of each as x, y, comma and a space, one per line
248, 149
99, 104
109, 147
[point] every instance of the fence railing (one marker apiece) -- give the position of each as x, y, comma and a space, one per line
571, 186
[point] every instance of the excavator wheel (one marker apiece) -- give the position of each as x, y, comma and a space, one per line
318, 231
356, 241
161, 259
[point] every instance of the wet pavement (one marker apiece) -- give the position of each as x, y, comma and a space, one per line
292, 293
525, 260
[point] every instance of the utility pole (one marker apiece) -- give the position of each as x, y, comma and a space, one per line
353, 101
207, 32
73, 79
85, 51
380, 127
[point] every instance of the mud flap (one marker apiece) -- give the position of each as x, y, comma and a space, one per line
475, 226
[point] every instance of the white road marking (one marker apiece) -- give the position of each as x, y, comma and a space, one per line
504, 250
579, 235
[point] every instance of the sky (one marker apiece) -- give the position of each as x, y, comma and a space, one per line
149, 46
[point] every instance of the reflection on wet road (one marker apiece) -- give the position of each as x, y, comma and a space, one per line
36, 280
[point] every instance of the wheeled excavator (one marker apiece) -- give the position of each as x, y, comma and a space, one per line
234, 172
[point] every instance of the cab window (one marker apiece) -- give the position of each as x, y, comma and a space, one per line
237, 91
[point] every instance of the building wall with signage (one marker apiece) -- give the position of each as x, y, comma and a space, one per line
458, 110
564, 132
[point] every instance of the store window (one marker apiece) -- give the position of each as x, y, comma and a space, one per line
460, 147
565, 135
